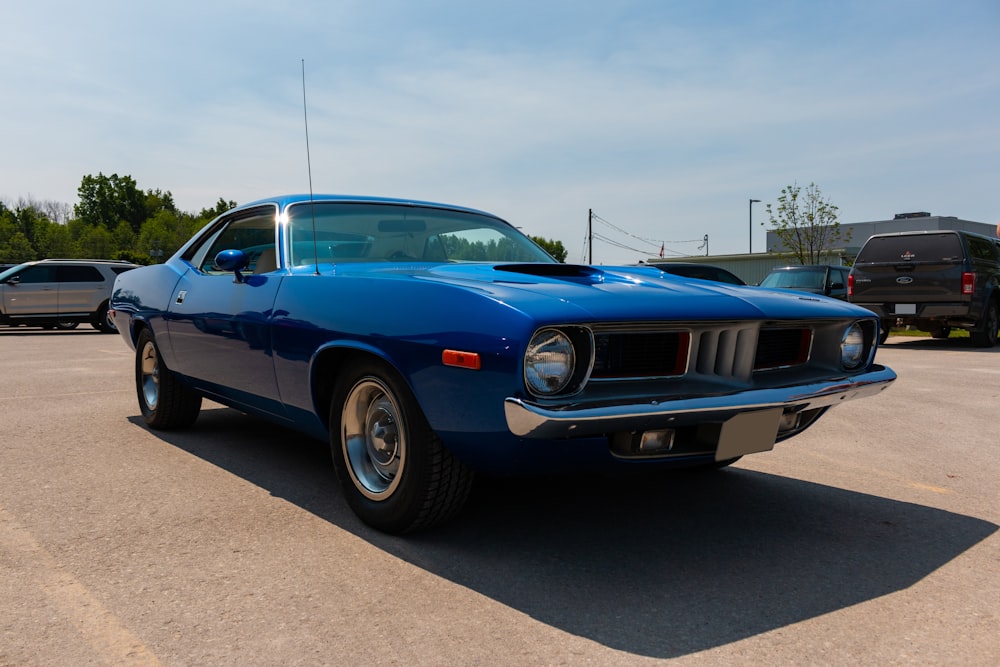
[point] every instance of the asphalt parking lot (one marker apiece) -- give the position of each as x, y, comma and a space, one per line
870, 539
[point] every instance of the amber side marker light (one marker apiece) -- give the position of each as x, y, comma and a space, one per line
459, 359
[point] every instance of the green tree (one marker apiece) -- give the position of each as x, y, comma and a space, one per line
8, 228
28, 219
221, 206
553, 247
107, 200
110, 221
123, 240
55, 240
164, 233
96, 243
15, 247
805, 222
157, 200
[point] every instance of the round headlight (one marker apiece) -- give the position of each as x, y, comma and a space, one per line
852, 347
549, 362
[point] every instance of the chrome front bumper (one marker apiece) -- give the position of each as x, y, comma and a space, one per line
527, 419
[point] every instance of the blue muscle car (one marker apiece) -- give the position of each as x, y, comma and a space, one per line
427, 341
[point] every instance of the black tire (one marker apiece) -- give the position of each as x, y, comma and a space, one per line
165, 401
883, 332
942, 332
102, 322
396, 474
66, 326
986, 334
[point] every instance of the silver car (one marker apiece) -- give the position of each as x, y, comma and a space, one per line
60, 293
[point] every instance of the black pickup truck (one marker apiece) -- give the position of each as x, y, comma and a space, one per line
933, 281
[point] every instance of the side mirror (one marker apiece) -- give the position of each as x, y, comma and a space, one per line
232, 260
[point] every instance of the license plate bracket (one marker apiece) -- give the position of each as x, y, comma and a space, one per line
748, 433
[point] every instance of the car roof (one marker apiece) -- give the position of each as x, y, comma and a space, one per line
287, 199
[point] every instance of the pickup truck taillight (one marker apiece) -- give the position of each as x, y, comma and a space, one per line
968, 282
850, 284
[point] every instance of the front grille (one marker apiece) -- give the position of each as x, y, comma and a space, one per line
725, 352
731, 352
781, 348
640, 354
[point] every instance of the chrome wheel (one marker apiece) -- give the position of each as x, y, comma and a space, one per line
149, 375
165, 400
396, 474
373, 438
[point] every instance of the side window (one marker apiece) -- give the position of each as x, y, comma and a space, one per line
37, 274
981, 249
78, 274
253, 232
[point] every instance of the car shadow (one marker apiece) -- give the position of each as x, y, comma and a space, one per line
927, 343
658, 565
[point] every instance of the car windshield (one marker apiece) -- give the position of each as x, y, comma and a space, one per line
366, 232
9, 271
806, 279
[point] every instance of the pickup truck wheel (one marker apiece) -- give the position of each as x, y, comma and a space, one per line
883, 332
943, 332
986, 334
164, 400
396, 474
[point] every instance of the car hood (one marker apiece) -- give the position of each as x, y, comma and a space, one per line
569, 291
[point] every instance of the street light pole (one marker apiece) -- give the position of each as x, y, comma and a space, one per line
752, 202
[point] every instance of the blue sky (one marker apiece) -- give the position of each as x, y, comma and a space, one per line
663, 117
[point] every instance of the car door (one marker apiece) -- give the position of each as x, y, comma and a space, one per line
219, 326
82, 288
32, 291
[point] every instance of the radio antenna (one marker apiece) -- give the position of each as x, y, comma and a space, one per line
312, 205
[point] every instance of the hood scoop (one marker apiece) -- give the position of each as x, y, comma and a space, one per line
576, 273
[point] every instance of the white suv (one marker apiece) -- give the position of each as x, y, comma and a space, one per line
60, 293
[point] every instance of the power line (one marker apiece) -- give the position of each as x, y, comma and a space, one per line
658, 245
617, 244
651, 242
